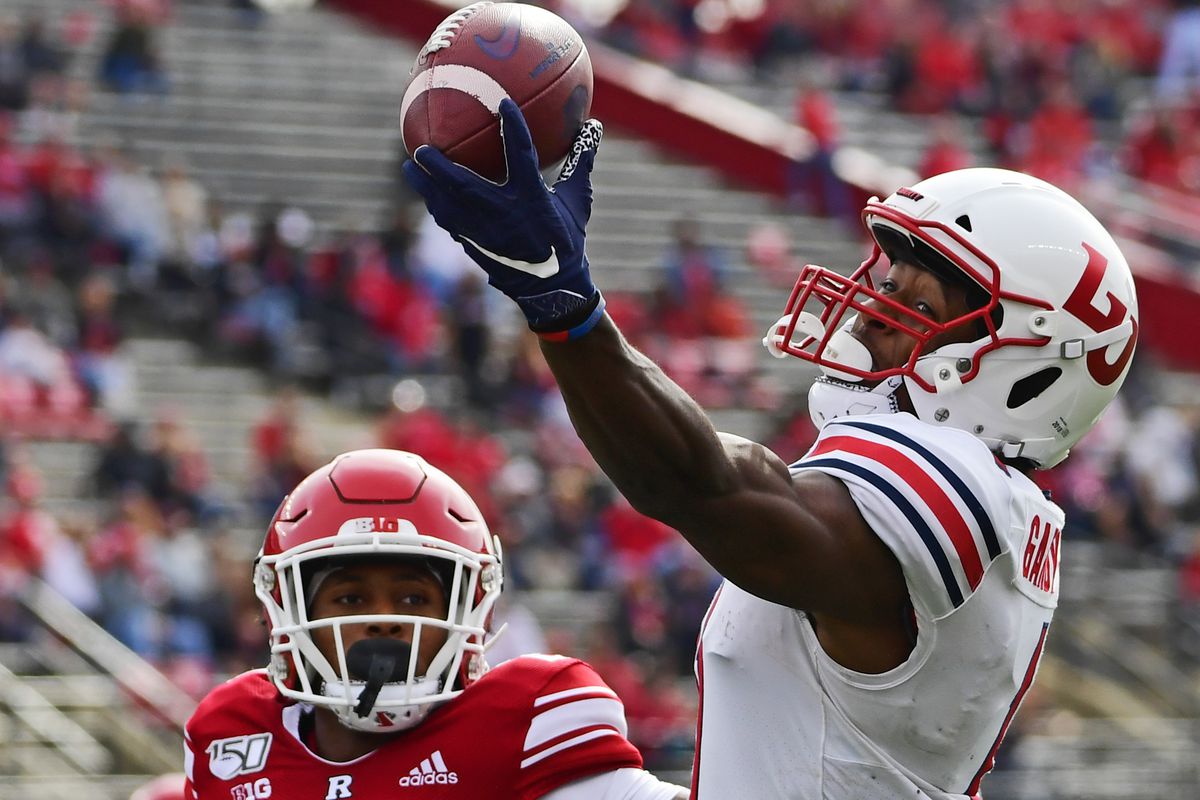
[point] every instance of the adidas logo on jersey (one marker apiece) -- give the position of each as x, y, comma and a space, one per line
430, 771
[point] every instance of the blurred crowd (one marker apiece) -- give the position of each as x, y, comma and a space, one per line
95, 243
1062, 89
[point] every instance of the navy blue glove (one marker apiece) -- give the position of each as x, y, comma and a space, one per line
528, 237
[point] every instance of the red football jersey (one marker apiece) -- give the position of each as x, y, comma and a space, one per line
529, 726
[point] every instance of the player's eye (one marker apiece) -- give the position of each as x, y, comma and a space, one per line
887, 286
415, 599
924, 309
348, 599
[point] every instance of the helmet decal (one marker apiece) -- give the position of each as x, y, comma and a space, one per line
1053, 319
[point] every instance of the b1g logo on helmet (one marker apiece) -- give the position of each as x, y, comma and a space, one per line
361, 525
238, 755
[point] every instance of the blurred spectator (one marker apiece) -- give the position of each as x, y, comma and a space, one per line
470, 332
262, 314
35, 543
14, 72
945, 151
130, 591
45, 299
1179, 69
26, 530
642, 615
283, 453
691, 269
181, 557
66, 569
634, 541
131, 62
815, 178
26, 352
272, 434
690, 583
1059, 140
187, 487
131, 207
42, 56
437, 261
124, 463
187, 210
16, 195
1154, 151
105, 373
1161, 455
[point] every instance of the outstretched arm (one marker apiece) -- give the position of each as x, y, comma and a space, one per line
790, 542
793, 542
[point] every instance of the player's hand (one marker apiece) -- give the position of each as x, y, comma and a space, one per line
528, 237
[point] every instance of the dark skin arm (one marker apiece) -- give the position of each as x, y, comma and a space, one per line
800, 543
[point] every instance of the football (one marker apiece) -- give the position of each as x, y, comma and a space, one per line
478, 56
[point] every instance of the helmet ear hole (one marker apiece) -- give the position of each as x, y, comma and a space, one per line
1031, 386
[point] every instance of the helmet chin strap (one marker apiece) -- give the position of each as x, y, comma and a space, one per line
830, 398
377, 661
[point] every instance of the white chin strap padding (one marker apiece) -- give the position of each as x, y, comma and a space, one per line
845, 349
829, 399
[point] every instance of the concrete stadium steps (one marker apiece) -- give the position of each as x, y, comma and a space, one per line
865, 121
65, 467
219, 405
222, 404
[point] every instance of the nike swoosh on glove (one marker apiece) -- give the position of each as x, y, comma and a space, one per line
528, 237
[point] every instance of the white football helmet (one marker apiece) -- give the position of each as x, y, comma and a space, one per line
1056, 332
377, 505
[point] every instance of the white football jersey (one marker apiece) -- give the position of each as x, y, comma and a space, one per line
979, 546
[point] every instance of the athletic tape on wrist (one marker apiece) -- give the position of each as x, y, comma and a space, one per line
579, 330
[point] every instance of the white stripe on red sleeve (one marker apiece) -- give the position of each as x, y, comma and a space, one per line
591, 691
573, 717
188, 758
572, 742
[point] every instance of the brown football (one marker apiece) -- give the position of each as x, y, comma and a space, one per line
482, 54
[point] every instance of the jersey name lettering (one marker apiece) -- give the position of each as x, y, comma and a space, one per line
1040, 562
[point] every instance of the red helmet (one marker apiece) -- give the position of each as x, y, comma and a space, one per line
377, 503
